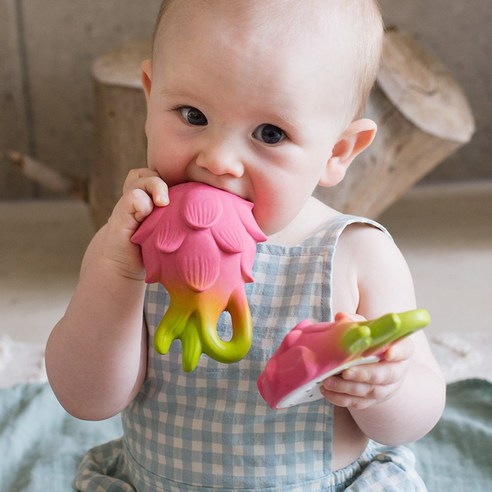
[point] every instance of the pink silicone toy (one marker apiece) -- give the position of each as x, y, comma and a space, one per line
312, 352
201, 247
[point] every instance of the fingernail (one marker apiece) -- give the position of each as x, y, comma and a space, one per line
330, 383
163, 199
390, 354
349, 374
353, 375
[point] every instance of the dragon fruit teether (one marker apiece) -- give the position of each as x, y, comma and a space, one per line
312, 352
201, 247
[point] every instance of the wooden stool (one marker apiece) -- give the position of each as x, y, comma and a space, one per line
422, 114
121, 110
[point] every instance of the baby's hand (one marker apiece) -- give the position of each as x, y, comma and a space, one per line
360, 387
143, 189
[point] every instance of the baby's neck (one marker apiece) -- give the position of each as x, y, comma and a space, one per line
311, 217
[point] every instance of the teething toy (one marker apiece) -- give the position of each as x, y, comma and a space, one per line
201, 247
312, 352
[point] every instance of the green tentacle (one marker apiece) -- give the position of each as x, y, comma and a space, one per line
169, 329
191, 343
242, 332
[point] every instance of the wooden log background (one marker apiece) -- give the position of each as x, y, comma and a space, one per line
423, 116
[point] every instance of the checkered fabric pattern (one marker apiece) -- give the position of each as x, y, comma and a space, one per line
210, 430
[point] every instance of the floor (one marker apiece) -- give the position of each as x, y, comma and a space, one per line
445, 232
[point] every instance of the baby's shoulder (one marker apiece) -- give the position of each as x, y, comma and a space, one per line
377, 268
359, 237
370, 250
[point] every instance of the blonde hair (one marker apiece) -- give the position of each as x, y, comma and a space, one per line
365, 33
365, 17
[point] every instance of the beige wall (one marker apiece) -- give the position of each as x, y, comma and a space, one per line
46, 91
13, 114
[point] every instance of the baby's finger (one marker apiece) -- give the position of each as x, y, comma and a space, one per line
133, 206
399, 351
137, 174
380, 373
150, 182
156, 188
361, 390
141, 204
343, 316
346, 400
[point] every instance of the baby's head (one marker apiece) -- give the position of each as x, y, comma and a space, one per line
261, 97
361, 41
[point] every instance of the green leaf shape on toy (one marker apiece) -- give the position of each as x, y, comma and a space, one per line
367, 337
201, 247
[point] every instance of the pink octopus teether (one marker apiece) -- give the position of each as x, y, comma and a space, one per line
201, 247
312, 352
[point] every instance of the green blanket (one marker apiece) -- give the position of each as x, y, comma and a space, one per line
457, 455
40, 445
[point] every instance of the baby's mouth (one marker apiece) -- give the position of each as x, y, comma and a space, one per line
229, 184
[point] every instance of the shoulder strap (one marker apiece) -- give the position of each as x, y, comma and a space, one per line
334, 231
331, 231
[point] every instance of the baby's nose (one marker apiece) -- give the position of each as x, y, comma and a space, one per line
220, 157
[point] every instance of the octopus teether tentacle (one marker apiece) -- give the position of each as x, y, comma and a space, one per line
312, 352
201, 247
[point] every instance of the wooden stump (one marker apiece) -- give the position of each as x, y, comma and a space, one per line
119, 125
423, 117
422, 114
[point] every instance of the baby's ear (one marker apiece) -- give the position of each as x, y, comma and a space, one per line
146, 77
356, 137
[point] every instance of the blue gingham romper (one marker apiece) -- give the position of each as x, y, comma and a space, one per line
210, 430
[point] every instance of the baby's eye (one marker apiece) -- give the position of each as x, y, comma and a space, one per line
193, 116
269, 134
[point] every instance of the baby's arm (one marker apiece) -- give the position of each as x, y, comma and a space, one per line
402, 397
96, 354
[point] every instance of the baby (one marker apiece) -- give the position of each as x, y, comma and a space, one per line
262, 98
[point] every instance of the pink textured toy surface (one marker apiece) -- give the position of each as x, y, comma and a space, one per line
312, 352
201, 247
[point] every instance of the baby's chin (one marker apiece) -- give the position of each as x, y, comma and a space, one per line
274, 229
